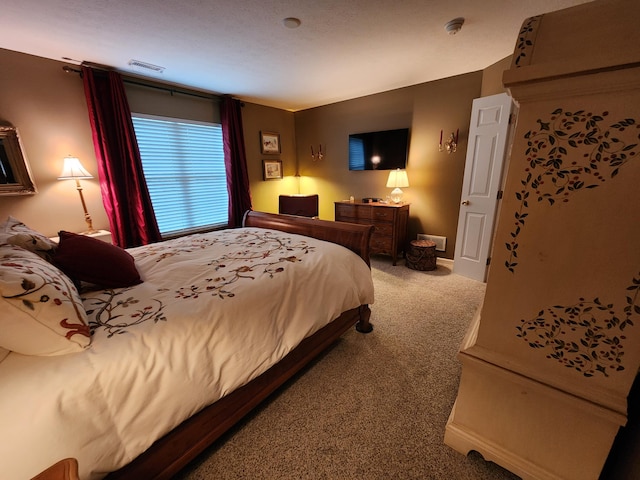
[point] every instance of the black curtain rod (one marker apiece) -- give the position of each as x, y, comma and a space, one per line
69, 69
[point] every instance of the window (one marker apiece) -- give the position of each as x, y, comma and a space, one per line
183, 163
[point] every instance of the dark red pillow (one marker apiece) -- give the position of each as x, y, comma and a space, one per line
91, 260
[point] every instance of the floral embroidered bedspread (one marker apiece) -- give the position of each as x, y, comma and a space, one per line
214, 311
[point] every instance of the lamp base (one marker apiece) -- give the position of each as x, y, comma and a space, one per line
396, 195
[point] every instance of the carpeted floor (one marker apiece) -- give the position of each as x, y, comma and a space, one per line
373, 406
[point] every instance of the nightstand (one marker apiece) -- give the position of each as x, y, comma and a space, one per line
103, 235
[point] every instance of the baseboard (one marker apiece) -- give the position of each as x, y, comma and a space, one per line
445, 262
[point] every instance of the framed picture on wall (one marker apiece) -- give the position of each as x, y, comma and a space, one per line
272, 169
15, 175
270, 142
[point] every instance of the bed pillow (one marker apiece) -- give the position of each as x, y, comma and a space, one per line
14, 232
87, 259
40, 310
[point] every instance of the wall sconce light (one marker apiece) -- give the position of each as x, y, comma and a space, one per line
73, 170
451, 145
317, 156
397, 180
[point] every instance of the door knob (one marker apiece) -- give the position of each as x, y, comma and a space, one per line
465, 203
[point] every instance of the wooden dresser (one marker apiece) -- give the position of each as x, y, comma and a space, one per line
390, 222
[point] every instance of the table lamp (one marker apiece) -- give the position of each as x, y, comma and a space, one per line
397, 180
73, 170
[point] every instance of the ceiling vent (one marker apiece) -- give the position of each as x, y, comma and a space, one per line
146, 66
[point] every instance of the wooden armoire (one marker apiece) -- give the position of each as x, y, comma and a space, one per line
551, 355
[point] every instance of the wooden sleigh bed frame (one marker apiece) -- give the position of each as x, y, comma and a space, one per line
168, 455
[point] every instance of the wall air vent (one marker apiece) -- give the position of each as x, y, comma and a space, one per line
441, 242
146, 66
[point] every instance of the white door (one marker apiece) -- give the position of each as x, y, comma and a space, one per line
486, 152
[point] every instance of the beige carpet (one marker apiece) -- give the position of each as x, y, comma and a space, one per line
373, 406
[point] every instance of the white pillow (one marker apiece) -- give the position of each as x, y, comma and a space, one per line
14, 232
40, 310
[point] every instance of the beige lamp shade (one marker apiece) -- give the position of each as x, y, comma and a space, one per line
72, 169
397, 180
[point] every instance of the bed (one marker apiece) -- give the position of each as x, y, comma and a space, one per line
211, 326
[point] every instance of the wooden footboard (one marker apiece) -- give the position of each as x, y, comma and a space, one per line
183, 444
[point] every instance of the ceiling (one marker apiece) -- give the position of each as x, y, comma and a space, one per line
343, 48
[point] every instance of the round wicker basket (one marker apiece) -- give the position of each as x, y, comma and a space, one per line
421, 255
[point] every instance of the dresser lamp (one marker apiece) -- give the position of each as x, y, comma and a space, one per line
397, 179
73, 170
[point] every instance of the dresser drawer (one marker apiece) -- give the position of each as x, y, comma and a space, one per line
353, 213
383, 229
383, 214
381, 244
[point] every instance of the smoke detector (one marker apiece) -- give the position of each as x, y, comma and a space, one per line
453, 26
291, 22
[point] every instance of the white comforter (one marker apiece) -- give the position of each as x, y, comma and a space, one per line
214, 311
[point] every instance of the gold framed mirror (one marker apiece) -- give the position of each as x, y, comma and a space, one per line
15, 175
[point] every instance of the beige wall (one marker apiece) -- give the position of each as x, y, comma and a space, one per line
492, 77
435, 178
49, 110
48, 107
257, 118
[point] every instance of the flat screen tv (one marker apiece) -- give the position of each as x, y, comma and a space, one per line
386, 150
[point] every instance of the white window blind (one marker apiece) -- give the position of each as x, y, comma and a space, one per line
183, 163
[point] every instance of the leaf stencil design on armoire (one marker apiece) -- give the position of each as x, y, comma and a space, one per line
554, 176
